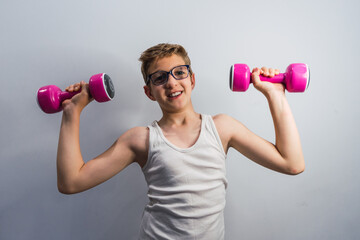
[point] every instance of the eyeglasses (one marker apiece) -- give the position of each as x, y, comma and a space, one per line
161, 77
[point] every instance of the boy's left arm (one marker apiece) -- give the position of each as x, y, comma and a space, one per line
286, 155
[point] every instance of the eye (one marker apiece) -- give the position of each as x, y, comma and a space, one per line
180, 72
158, 78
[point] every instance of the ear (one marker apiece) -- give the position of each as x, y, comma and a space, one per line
192, 79
147, 91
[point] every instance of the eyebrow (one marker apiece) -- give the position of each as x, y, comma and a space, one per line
159, 70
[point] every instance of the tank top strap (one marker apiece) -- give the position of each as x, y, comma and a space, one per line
153, 140
212, 130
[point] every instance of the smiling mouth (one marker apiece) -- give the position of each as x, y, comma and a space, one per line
175, 94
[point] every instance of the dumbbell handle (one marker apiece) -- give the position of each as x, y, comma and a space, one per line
62, 95
276, 79
244, 72
67, 95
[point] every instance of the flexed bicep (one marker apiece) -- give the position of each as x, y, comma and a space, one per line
127, 149
236, 135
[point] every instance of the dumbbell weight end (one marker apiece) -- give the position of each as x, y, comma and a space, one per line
297, 77
50, 97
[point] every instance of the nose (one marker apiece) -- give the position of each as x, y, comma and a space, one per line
171, 81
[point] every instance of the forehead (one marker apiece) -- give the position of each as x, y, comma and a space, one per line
166, 63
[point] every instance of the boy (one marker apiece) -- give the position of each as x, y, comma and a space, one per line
183, 154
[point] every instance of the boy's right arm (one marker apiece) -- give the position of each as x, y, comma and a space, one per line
74, 175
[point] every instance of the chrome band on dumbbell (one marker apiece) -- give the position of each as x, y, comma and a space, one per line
109, 86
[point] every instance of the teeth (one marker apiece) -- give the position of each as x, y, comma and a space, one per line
175, 94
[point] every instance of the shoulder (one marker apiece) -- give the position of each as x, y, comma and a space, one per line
136, 132
137, 140
223, 122
228, 126
225, 126
136, 137
220, 118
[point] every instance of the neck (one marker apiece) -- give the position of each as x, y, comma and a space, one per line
178, 118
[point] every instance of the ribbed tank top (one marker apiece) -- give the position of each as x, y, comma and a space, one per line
186, 187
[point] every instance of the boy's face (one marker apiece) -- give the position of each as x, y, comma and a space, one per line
174, 95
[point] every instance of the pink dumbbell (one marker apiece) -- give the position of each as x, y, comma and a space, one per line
49, 98
296, 77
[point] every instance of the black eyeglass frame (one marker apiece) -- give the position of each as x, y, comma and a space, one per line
167, 75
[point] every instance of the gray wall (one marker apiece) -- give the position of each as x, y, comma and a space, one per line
62, 42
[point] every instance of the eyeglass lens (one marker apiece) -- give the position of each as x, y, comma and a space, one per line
178, 73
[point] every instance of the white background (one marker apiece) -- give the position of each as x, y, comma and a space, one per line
63, 42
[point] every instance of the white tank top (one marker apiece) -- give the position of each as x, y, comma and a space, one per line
186, 187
